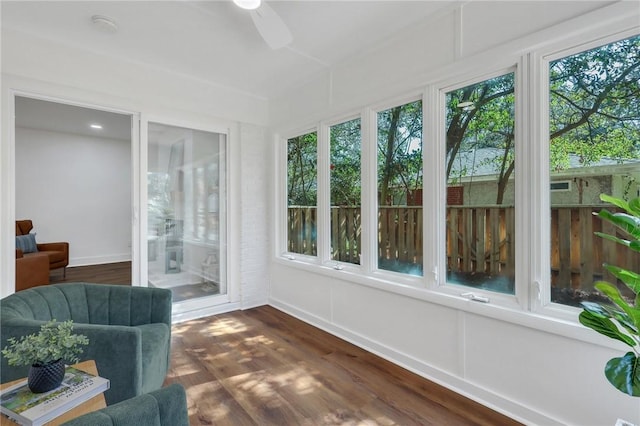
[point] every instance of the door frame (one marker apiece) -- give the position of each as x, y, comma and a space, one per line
8, 179
204, 306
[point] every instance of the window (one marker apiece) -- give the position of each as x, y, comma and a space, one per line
594, 129
563, 185
480, 164
302, 194
400, 189
345, 216
373, 215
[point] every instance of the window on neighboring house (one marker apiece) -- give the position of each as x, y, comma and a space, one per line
302, 194
563, 185
594, 133
480, 165
345, 216
400, 189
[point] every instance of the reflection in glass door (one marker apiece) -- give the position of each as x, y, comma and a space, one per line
186, 193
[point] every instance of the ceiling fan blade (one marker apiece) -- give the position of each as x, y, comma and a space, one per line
271, 27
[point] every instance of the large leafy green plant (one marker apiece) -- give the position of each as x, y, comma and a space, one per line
621, 320
53, 342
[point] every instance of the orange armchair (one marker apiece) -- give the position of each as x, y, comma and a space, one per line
31, 271
57, 253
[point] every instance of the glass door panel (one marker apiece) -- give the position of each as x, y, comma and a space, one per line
186, 192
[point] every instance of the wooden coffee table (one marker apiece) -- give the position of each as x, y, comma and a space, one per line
94, 404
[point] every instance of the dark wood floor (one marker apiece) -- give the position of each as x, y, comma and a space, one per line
111, 273
263, 367
120, 273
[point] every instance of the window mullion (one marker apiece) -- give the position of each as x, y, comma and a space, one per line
526, 241
539, 220
433, 236
369, 211
323, 226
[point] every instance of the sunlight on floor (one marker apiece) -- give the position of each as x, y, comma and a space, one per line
225, 326
216, 410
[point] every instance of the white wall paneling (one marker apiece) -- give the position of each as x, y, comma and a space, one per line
537, 369
532, 375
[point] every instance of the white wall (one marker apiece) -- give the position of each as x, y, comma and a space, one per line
536, 369
76, 189
533, 370
256, 218
42, 67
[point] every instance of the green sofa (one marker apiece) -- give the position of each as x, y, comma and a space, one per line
129, 330
164, 407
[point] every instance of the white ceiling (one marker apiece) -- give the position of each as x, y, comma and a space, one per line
51, 116
217, 42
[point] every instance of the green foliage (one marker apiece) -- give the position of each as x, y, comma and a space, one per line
482, 116
399, 151
345, 143
620, 321
594, 113
595, 104
302, 170
53, 342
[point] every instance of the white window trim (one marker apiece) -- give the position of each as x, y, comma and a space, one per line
326, 230
282, 194
555, 182
372, 163
531, 306
540, 300
435, 163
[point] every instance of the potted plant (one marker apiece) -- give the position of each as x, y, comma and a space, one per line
46, 353
620, 320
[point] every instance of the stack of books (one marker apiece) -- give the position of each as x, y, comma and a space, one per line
34, 409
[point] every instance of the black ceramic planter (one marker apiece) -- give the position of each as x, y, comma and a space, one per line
43, 378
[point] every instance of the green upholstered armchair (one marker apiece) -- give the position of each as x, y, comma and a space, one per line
129, 330
164, 407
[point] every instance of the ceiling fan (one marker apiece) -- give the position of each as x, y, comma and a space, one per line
270, 26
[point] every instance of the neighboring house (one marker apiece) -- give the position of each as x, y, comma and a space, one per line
473, 176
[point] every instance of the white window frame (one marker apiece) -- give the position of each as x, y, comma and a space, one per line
556, 182
540, 301
326, 193
372, 189
438, 281
282, 212
531, 304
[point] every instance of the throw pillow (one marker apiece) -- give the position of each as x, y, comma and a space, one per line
26, 243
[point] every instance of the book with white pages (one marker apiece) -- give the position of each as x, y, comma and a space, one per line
34, 409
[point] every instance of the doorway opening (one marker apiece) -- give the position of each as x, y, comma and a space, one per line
186, 211
73, 179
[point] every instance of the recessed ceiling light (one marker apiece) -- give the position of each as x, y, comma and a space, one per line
104, 24
247, 4
95, 126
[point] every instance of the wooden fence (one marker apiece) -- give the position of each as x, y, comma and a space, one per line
479, 240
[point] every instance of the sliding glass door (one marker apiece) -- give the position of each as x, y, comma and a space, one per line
186, 220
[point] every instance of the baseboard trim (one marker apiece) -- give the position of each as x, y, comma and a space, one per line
455, 383
99, 260
208, 311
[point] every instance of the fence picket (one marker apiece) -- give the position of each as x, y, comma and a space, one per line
478, 239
